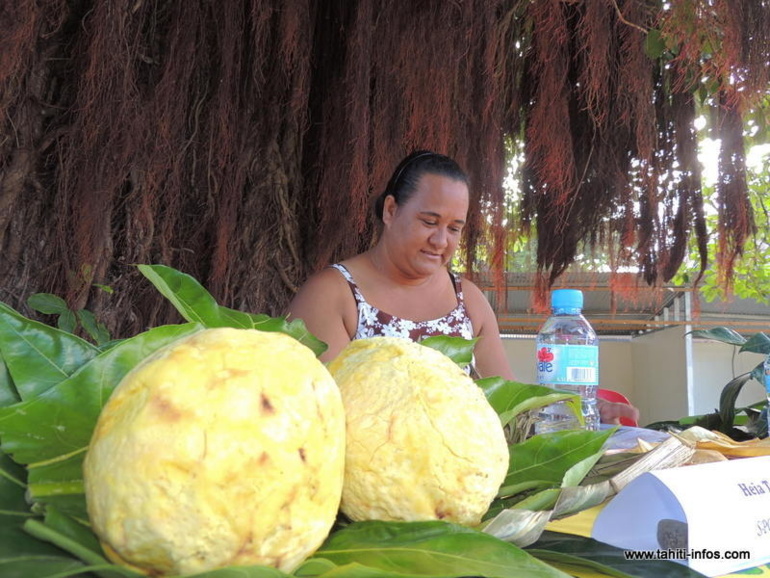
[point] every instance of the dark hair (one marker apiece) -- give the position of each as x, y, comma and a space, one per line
403, 182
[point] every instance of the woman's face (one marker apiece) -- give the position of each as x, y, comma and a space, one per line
422, 233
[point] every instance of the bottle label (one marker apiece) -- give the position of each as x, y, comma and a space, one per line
570, 364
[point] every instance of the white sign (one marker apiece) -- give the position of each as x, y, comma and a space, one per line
714, 517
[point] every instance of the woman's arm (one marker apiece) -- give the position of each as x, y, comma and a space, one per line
326, 305
491, 359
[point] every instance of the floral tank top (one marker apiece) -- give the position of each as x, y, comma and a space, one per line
373, 322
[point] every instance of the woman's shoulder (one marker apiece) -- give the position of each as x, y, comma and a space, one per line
328, 280
470, 289
476, 303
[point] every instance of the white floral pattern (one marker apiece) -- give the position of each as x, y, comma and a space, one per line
373, 322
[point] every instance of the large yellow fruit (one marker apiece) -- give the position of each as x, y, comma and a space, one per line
422, 441
225, 448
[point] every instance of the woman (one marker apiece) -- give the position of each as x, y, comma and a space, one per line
402, 286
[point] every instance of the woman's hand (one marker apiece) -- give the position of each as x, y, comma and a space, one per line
610, 412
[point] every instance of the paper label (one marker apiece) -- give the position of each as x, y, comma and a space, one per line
713, 517
570, 364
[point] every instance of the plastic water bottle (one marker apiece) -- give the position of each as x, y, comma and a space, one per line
568, 359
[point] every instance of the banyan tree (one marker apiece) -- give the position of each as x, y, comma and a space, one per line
242, 141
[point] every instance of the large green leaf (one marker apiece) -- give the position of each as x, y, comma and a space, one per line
757, 343
722, 334
39, 356
579, 470
47, 532
511, 398
12, 488
727, 401
197, 305
430, 549
22, 555
353, 570
242, 572
546, 458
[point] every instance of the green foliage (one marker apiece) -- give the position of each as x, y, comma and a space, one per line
428, 549
197, 305
68, 319
457, 349
752, 271
738, 423
54, 384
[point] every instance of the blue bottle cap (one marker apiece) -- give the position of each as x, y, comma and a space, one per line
567, 299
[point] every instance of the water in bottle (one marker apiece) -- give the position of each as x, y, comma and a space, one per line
568, 359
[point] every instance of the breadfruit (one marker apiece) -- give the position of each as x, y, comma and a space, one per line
422, 443
226, 448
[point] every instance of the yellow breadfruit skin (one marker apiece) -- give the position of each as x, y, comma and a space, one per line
423, 443
225, 448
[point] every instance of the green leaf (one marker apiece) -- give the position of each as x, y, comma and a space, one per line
38, 356
549, 457
67, 322
355, 571
242, 572
106, 288
578, 471
314, 567
543, 500
188, 296
197, 305
509, 493
727, 401
84, 543
511, 398
430, 549
722, 334
47, 303
654, 45
758, 373
586, 553
95, 330
12, 488
757, 343
458, 349
59, 483
94, 561
22, 555
8, 393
